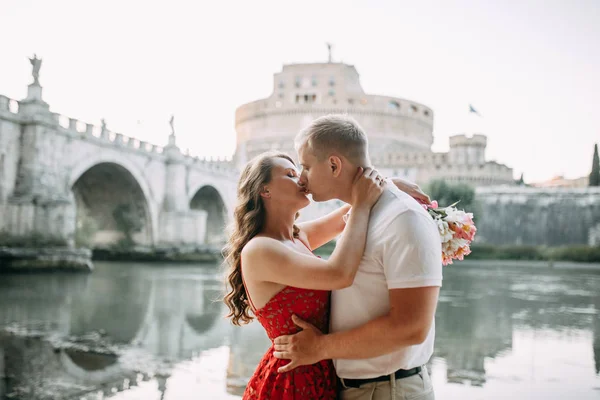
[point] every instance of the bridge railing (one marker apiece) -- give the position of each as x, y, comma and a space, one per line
218, 164
84, 130
8, 104
74, 126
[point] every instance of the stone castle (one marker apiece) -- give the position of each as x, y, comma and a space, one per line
400, 131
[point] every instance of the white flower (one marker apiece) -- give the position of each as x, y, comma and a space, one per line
455, 215
445, 231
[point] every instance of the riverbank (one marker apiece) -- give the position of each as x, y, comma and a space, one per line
179, 254
55, 258
39, 259
557, 257
522, 264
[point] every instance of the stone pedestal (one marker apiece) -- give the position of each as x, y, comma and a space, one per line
33, 223
34, 105
175, 193
183, 228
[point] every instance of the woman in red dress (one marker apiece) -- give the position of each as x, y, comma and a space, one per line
273, 273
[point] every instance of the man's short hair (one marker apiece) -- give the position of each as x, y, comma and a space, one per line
337, 133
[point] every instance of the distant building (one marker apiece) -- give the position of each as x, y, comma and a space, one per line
562, 182
400, 131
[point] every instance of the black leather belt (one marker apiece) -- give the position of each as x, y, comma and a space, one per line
401, 373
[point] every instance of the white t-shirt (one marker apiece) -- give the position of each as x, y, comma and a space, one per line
403, 250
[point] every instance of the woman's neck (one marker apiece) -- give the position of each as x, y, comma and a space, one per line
280, 227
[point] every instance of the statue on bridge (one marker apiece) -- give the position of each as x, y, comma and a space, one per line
172, 135
36, 64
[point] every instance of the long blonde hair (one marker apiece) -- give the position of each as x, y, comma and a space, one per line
248, 220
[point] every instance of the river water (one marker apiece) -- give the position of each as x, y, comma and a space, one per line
156, 331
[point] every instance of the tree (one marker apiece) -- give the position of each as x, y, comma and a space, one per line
128, 222
446, 194
595, 174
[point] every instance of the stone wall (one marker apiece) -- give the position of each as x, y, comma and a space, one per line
44, 223
10, 131
535, 216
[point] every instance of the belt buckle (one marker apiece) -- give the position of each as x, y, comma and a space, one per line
346, 386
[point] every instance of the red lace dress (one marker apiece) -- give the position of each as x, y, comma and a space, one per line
317, 381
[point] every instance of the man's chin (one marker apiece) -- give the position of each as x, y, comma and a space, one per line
315, 198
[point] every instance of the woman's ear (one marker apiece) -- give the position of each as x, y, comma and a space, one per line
265, 194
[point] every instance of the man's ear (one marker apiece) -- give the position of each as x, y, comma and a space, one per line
335, 164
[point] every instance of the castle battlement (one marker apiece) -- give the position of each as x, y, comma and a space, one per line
474, 140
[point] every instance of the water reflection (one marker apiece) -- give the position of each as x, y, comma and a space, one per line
479, 314
132, 327
480, 311
79, 329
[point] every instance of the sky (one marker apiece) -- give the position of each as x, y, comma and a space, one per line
531, 68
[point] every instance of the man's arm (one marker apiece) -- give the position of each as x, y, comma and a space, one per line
408, 323
412, 265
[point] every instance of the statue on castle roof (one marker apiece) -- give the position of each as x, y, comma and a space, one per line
172, 123
329, 45
36, 64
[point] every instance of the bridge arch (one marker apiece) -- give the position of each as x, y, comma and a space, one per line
208, 198
113, 203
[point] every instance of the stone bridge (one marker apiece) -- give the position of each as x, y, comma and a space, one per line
63, 181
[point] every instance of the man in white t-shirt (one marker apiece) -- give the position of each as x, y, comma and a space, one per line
382, 327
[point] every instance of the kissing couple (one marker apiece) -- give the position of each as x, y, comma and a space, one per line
360, 324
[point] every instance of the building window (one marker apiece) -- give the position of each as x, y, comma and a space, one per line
281, 95
332, 81
426, 113
363, 101
394, 105
413, 108
314, 81
350, 101
298, 81
281, 85
306, 98
331, 92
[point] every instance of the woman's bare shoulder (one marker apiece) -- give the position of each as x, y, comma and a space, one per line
259, 246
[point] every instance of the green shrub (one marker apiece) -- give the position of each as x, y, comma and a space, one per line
576, 253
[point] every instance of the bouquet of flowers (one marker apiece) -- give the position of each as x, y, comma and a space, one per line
457, 230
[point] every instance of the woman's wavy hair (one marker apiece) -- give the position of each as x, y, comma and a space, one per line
248, 220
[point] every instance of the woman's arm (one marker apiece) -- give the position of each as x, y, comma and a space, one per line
272, 261
322, 230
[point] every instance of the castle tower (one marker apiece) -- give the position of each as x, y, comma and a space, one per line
467, 150
303, 92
